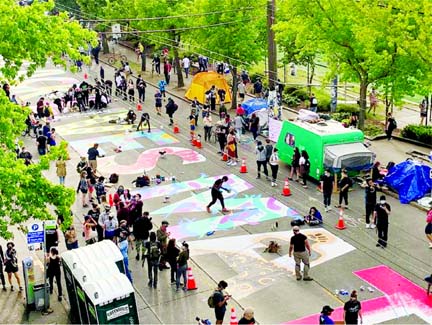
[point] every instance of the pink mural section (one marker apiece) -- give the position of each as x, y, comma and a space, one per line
401, 298
147, 160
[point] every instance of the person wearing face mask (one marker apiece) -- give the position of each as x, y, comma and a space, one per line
381, 215
11, 265
327, 189
370, 201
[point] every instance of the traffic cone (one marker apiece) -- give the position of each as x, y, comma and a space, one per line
193, 139
286, 190
341, 222
139, 107
233, 320
198, 143
191, 284
85, 76
176, 128
225, 157
243, 168
110, 200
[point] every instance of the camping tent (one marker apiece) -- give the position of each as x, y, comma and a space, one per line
203, 81
410, 179
258, 106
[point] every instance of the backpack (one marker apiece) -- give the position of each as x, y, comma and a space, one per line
154, 251
211, 301
114, 178
297, 222
394, 123
175, 107
100, 189
142, 181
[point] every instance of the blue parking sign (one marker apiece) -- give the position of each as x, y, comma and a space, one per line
35, 233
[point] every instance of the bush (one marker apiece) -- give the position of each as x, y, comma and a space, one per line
291, 101
372, 130
341, 116
349, 108
419, 133
301, 94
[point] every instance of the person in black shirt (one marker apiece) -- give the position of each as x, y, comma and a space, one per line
220, 300
344, 185
217, 195
352, 310
381, 214
299, 244
327, 188
93, 153
141, 231
370, 201
94, 212
145, 119
54, 271
41, 144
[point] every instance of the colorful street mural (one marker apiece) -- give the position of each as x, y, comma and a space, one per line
148, 159
125, 141
255, 269
401, 298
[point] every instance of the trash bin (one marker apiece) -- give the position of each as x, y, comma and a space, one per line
40, 297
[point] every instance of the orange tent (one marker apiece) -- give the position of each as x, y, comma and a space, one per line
203, 81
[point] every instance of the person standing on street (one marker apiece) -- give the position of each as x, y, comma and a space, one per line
167, 71
274, 165
153, 248
171, 256
428, 229
217, 194
141, 87
11, 265
220, 301
186, 66
54, 271
327, 189
302, 251
93, 153
304, 167
381, 215
390, 126
261, 159
61, 170
171, 108
141, 232
162, 236
344, 184
352, 310
370, 201
182, 262
313, 103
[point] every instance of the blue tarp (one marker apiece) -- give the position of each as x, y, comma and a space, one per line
255, 104
410, 179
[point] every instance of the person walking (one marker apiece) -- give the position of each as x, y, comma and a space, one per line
304, 168
186, 66
390, 126
261, 159
153, 248
216, 194
373, 101
158, 103
171, 256
381, 215
11, 265
61, 170
171, 108
141, 88
370, 201
2, 263
182, 262
254, 125
299, 244
54, 271
93, 154
220, 301
327, 189
269, 150
352, 310
141, 232
238, 125
428, 229
344, 185
167, 71
274, 166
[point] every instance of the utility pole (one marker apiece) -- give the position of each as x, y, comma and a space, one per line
272, 51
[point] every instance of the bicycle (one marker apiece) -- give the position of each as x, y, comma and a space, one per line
114, 57
31, 130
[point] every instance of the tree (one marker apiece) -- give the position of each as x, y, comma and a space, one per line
365, 41
239, 40
34, 37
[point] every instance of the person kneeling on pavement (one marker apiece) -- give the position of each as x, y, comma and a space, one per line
314, 217
131, 117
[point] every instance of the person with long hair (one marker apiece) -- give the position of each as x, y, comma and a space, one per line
231, 149
352, 310
182, 266
11, 265
304, 164
171, 255
295, 166
153, 253
83, 188
54, 271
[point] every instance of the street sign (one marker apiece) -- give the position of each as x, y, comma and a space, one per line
35, 235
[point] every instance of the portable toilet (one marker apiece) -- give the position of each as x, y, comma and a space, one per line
105, 250
111, 300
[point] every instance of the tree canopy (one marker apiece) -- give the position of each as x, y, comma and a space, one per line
367, 41
31, 36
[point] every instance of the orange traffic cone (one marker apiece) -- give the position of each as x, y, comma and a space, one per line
341, 222
139, 107
233, 320
225, 157
286, 190
191, 284
243, 168
110, 200
193, 139
176, 128
198, 143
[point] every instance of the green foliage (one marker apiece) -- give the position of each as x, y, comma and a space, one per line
349, 108
32, 36
341, 116
419, 133
372, 130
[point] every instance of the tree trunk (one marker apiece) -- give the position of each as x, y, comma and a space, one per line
105, 46
143, 61
363, 94
176, 42
234, 87
312, 73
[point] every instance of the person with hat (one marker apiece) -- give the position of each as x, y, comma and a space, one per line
352, 310
302, 251
162, 236
381, 220
325, 315
11, 265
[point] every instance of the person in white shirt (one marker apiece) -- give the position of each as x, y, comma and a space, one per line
241, 89
274, 165
238, 125
186, 65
